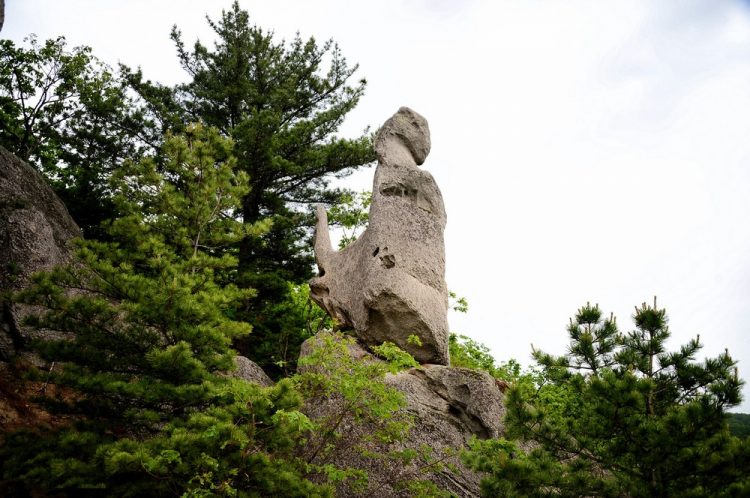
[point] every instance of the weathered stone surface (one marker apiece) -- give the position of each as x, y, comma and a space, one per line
35, 229
390, 282
469, 400
251, 372
447, 406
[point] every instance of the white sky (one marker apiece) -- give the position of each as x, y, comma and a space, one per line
586, 150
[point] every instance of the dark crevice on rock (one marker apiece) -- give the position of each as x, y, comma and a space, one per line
9, 326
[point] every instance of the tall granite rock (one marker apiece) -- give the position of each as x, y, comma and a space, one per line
389, 284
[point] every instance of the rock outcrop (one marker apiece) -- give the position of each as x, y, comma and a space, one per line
248, 370
389, 284
447, 407
35, 231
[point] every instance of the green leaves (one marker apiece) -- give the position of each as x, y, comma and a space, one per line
592, 343
68, 115
351, 213
397, 358
189, 201
177, 364
147, 341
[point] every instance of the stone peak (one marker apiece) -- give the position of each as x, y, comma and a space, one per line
404, 130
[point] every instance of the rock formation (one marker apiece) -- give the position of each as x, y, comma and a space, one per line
447, 406
248, 370
35, 229
389, 284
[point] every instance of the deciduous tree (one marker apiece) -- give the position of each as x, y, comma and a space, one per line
69, 115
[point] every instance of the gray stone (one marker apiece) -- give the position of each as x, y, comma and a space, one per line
471, 398
35, 231
251, 372
447, 407
389, 284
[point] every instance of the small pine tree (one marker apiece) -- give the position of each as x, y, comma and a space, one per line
149, 333
620, 415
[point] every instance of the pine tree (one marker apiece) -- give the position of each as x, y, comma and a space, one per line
620, 415
282, 103
147, 332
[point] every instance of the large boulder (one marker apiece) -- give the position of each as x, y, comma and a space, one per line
446, 407
389, 284
35, 232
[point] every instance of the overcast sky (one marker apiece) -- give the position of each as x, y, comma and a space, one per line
587, 151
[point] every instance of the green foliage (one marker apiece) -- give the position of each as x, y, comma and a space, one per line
414, 340
331, 371
351, 213
355, 394
468, 353
397, 358
149, 331
69, 115
457, 303
739, 424
295, 319
236, 445
363, 422
619, 415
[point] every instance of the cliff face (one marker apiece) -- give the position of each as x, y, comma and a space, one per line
35, 235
